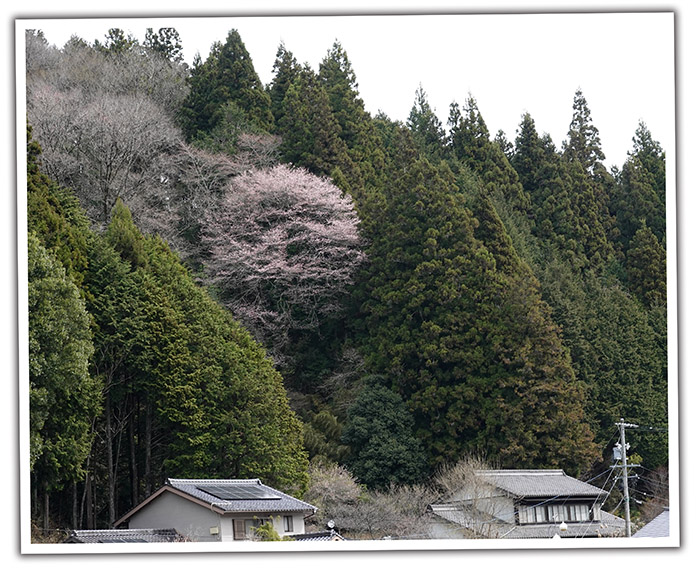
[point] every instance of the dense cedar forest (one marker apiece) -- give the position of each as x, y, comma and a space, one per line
229, 279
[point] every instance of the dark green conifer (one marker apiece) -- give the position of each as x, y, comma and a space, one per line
227, 76
583, 143
311, 135
473, 148
646, 267
379, 433
426, 128
458, 326
286, 69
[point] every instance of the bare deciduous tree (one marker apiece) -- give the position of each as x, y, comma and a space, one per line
105, 148
657, 483
334, 490
465, 489
137, 71
397, 512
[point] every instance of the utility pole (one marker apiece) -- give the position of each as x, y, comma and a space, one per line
622, 425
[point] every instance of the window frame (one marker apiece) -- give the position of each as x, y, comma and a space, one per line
566, 511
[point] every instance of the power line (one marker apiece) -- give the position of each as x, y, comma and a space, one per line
623, 447
607, 494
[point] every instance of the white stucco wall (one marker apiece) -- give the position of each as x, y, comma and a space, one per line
441, 529
298, 526
500, 507
171, 511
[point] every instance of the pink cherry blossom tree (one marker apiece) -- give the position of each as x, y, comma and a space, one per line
284, 250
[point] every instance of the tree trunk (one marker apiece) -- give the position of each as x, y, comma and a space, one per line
36, 509
74, 512
110, 460
132, 454
148, 439
89, 505
45, 523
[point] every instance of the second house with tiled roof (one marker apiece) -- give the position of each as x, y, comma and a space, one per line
219, 510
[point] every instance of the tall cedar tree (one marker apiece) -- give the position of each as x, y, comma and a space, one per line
426, 128
218, 393
468, 345
472, 147
356, 128
591, 184
63, 396
583, 142
640, 195
653, 157
286, 68
311, 135
227, 76
166, 42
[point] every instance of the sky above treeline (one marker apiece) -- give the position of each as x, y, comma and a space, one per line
510, 63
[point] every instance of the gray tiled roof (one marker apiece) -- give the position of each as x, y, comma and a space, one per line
280, 502
656, 528
526, 483
324, 535
124, 536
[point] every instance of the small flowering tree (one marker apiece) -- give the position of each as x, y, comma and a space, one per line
284, 248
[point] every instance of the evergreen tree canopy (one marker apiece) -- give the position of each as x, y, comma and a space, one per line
166, 41
652, 156
54, 215
426, 127
311, 135
63, 397
338, 79
469, 346
583, 143
227, 76
646, 267
472, 147
640, 196
223, 403
567, 212
379, 433
286, 69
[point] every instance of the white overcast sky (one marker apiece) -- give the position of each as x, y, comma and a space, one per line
510, 63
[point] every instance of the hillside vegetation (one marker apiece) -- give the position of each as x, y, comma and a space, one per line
230, 279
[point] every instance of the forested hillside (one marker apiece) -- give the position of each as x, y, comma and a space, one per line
230, 279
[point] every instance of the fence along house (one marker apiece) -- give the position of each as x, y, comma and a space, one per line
219, 510
525, 504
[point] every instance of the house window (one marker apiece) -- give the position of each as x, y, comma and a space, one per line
245, 528
251, 525
555, 513
288, 523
